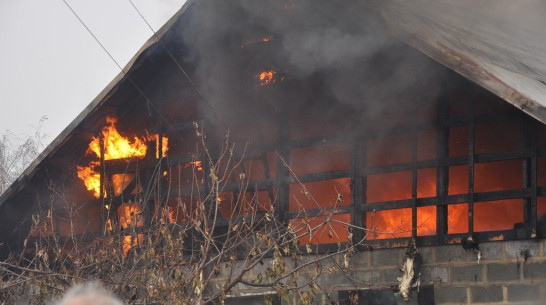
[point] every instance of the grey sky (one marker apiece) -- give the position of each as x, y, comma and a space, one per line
51, 66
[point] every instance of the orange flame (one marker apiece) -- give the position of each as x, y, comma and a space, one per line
267, 77
255, 41
90, 177
120, 181
172, 216
164, 144
129, 214
129, 242
116, 146
168, 215
197, 164
488, 215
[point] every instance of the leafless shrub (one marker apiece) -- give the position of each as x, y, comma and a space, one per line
199, 258
17, 152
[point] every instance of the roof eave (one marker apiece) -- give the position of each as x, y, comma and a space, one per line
474, 72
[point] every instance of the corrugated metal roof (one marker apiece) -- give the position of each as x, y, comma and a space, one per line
500, 45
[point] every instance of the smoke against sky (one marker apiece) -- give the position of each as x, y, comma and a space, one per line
52, 67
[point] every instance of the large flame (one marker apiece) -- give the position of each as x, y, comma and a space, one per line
116, 146
90, 177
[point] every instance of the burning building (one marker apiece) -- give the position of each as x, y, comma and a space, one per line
401, 119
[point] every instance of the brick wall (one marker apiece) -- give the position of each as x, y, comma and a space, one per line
511, 272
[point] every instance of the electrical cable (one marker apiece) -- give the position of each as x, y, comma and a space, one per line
177, 63
141, 92
93, 35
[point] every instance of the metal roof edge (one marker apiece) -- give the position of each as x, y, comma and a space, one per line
471, 70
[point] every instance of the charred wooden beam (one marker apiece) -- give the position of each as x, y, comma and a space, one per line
502, 156
180, 126
414, 172
326, 211
471, 160
329, 139
442, 171
449, 161
530, 178
387, 205
445, 123
255, 185
320, 176
184, 158
282, 159
452, 199
359, 183
500, 195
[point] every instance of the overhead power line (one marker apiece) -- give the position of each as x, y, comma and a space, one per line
140, 91
171, 55
94, 37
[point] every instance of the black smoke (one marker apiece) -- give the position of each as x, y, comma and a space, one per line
322, 51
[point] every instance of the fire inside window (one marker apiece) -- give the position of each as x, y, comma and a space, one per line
470, 165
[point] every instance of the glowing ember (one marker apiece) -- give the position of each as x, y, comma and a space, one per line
172, 216
498, 237
195, 164
255, 41
267, 77
168, 215
129, 214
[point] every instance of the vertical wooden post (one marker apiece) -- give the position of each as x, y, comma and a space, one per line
414, 171
442, 172
530, 177
283, 174
471, 160
102, 172
358, 163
